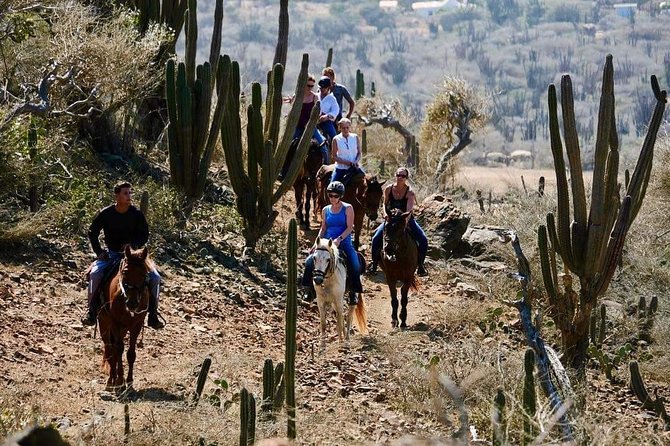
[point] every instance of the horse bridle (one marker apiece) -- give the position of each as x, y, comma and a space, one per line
331, 265
125, 286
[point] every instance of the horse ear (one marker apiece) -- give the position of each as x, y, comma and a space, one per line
330, 242
318, 240
145, 253
127, 251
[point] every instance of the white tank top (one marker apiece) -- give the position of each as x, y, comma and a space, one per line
347, 149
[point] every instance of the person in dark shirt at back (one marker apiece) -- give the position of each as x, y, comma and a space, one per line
340, 92
122, 224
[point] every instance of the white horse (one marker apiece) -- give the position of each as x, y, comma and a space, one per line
330, 278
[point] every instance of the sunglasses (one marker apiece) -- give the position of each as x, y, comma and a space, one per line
400, 175
333, 195
310, 85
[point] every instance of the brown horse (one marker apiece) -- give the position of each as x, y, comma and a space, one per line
305, 185
126, 298
399, 261
363, 192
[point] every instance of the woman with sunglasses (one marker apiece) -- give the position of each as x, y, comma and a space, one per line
400, 195
308, 102
337, 224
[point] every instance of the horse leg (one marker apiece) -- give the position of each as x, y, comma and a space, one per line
350, 316
118, 347
297, 189
394, 304
339, 312
308, 195
359, 214
403, 303
131, 355
322, 314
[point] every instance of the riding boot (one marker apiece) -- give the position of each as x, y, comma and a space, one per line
92, 314
309, 293
153, 321
353, 298
421, 270
372, 269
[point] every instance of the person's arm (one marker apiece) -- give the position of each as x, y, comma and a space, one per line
329, 107
387, 191
350, 225
94, 234
351, 102
411, 201
141, 236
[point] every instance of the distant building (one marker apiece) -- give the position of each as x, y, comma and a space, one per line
428, 9
625, 9
388, 4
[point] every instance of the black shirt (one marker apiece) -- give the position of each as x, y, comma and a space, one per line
397, 203
120, 229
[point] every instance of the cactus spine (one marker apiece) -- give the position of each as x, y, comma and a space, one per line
590, 245
291, 323
202, 378
529, 396
192, 134
253, 179
247, 418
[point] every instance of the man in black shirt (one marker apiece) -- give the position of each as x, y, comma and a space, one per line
122, 224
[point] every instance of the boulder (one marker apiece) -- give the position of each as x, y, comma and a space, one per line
444, 225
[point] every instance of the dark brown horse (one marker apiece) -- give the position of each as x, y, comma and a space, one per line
363, 192
399, 261
305, 185
126, 298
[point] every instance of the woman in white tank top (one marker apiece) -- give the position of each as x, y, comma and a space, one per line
346, 151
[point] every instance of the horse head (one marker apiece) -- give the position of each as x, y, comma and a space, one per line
394, 231
313, 161
373, 196
133, 271
325, 258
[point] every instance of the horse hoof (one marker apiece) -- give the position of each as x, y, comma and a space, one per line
403, 325
394, 323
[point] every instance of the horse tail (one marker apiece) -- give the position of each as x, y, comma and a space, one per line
414, 283
361, 313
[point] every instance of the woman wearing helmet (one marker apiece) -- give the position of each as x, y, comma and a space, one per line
337, 224
329, 108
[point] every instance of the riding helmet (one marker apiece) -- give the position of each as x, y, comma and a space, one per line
336, 187
325, 82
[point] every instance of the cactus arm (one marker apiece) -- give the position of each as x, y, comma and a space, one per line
255, 142
547, 276
215, 47
275, 101
614, 249
637, 187
222, 95
268, 385
191, 48
202, 95
173, 141
597, 217
281, 49
291, 317
563, 229
529, 396
293, 117
266, 181
329, 58
300, 154
185, 120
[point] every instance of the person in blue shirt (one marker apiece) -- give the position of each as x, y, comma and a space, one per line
337, 224
340, 92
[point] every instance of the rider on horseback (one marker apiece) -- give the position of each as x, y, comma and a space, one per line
337, 225
400, 196
123, 224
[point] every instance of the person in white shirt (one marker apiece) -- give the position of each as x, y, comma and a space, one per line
329, 108
346, 151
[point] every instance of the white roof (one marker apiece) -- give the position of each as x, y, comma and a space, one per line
388, 3
429, 5
520, 153
626, 5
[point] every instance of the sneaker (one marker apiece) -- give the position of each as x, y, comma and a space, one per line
154, 322
309, 294
89, 320
421, 271
353, 298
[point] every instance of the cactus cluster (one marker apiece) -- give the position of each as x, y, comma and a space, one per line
589, 245
247, 418
291, 323
253, 171
273, 386
192, 129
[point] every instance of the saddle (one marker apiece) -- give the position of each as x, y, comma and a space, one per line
354, 175
345, 259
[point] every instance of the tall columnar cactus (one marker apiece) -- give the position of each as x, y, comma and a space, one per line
646, 317
360, 84
364, 142
291, 323
192, 128
167, 12
273, 386
329, 58
589, 245
247, 418
253, 175
33, 191
498, 418
144, 204
529, 396
640, 390
202, 378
